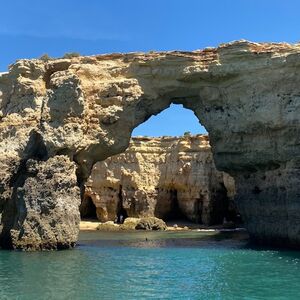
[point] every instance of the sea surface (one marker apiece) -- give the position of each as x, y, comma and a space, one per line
152, 265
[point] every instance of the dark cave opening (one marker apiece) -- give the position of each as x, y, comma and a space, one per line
174, 213
121, 212
198, 209
88, 209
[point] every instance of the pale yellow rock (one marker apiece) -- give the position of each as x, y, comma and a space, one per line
85, 108
164, 177
89, 225
108, 226
129, 223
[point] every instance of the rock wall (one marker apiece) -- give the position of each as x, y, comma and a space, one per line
84, 109
45, 201
168, 177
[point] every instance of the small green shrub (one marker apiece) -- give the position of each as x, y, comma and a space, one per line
71, 54
45, 57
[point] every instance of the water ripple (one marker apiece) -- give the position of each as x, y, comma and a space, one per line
131, 270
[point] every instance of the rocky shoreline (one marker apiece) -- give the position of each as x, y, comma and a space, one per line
58, 117
94, 225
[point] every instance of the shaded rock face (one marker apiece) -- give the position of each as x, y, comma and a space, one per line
168, 177
43, 210
85, 108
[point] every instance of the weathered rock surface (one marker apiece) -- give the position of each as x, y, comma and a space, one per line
151, 223
168, 177
247, 95
43, 210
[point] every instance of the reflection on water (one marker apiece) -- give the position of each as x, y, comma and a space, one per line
152, 266
152, 239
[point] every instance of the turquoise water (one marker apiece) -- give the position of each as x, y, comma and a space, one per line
165, 266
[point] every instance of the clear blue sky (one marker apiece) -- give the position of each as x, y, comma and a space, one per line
30, 28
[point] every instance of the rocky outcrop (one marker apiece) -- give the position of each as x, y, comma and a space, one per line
151, 223
85, 108
168, 177
45, 201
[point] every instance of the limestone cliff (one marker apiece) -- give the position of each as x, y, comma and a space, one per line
168, 177
83, 110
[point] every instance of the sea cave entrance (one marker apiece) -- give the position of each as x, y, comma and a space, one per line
88, 209
175, 212
168, 207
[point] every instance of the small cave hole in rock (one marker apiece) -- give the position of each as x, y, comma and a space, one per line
88, 209
198, 209
174, 214
121, 212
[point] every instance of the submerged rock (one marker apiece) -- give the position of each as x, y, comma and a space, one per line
151, 223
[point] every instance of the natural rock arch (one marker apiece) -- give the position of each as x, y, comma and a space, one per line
84, 109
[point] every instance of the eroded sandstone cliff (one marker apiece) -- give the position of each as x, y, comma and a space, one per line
84, 109
169, 177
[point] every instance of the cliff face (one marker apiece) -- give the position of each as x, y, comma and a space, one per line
46, 198
83, 110
163, 177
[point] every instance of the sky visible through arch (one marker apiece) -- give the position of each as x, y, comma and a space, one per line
175, 120
31, 28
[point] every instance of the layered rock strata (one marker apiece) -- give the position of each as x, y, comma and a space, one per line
169, 177
84, 109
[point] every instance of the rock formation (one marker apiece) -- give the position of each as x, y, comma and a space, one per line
83, 110
168, 177
151, 223
45, 199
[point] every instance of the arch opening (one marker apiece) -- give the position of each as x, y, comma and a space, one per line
175, 120
167, 171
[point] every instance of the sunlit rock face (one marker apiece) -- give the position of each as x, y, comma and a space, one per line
247, 95
170, 178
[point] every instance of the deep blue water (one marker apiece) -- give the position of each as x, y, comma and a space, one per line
165, 266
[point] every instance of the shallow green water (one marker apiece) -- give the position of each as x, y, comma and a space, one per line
165, 266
